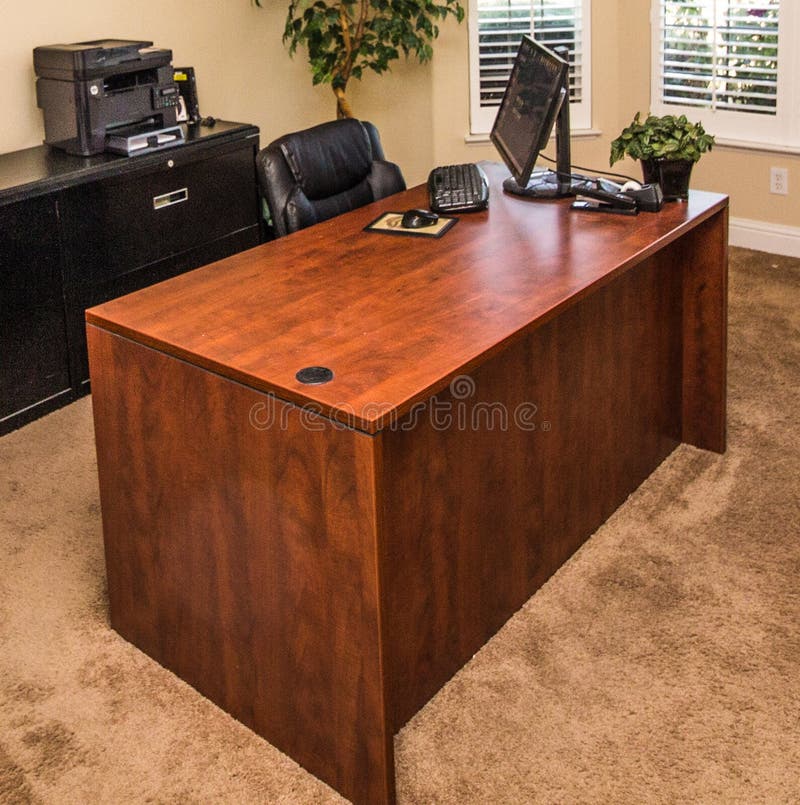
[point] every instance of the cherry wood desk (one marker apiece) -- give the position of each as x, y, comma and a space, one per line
319, 560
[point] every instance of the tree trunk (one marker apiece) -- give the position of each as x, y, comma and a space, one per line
343, 108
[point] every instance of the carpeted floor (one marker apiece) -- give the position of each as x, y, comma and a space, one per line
661, 664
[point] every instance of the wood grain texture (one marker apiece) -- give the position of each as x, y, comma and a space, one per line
491, 492
244, 558
703, 258
363, 304
321, 583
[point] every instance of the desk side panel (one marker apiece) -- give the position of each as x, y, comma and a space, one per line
240, 538
496, 482
703, 259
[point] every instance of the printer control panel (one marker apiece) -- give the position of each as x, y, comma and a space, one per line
166, 97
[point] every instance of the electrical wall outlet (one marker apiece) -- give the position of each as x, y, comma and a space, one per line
779, 181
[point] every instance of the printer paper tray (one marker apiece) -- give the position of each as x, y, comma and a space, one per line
133, 140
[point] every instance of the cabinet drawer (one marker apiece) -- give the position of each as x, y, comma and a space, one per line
122, 224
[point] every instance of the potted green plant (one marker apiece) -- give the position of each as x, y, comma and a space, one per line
667, 147
345, 37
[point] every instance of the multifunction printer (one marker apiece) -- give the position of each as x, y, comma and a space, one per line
107, 95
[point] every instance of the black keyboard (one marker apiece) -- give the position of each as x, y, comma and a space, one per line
458, 188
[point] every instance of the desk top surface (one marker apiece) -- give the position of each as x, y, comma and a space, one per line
395, 318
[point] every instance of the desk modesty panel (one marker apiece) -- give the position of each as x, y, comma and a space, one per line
319, 560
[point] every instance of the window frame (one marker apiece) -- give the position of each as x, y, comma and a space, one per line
482, 117
749, 129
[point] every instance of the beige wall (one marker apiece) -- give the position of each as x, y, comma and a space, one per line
244, 73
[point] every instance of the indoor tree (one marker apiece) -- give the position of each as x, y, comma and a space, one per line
346, 37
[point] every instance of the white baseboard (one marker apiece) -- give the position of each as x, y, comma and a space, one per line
764, 237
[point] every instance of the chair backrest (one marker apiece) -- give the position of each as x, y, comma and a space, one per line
312, 175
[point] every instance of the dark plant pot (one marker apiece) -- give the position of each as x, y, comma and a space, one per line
672, 174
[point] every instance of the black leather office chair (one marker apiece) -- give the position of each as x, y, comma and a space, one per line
312, 175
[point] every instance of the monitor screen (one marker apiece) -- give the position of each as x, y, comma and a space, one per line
536, 92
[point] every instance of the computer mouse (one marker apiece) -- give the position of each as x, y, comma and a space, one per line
415, 219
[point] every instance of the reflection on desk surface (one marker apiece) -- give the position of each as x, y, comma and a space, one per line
392, 317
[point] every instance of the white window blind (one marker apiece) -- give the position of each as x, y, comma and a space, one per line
726, 63
496, 28
721, 55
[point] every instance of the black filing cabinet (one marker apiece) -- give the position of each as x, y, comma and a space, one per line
34, 359
85, 230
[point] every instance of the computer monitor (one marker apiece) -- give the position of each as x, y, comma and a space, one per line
536, 98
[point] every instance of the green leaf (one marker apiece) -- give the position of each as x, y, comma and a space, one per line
670, 136
388, 28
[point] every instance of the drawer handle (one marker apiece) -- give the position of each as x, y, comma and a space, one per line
168, 199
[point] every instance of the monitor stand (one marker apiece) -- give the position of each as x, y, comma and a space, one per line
542, 184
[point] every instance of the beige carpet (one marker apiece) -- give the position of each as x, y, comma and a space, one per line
661, 664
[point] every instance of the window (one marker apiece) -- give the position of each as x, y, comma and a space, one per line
729, 64
496, 27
